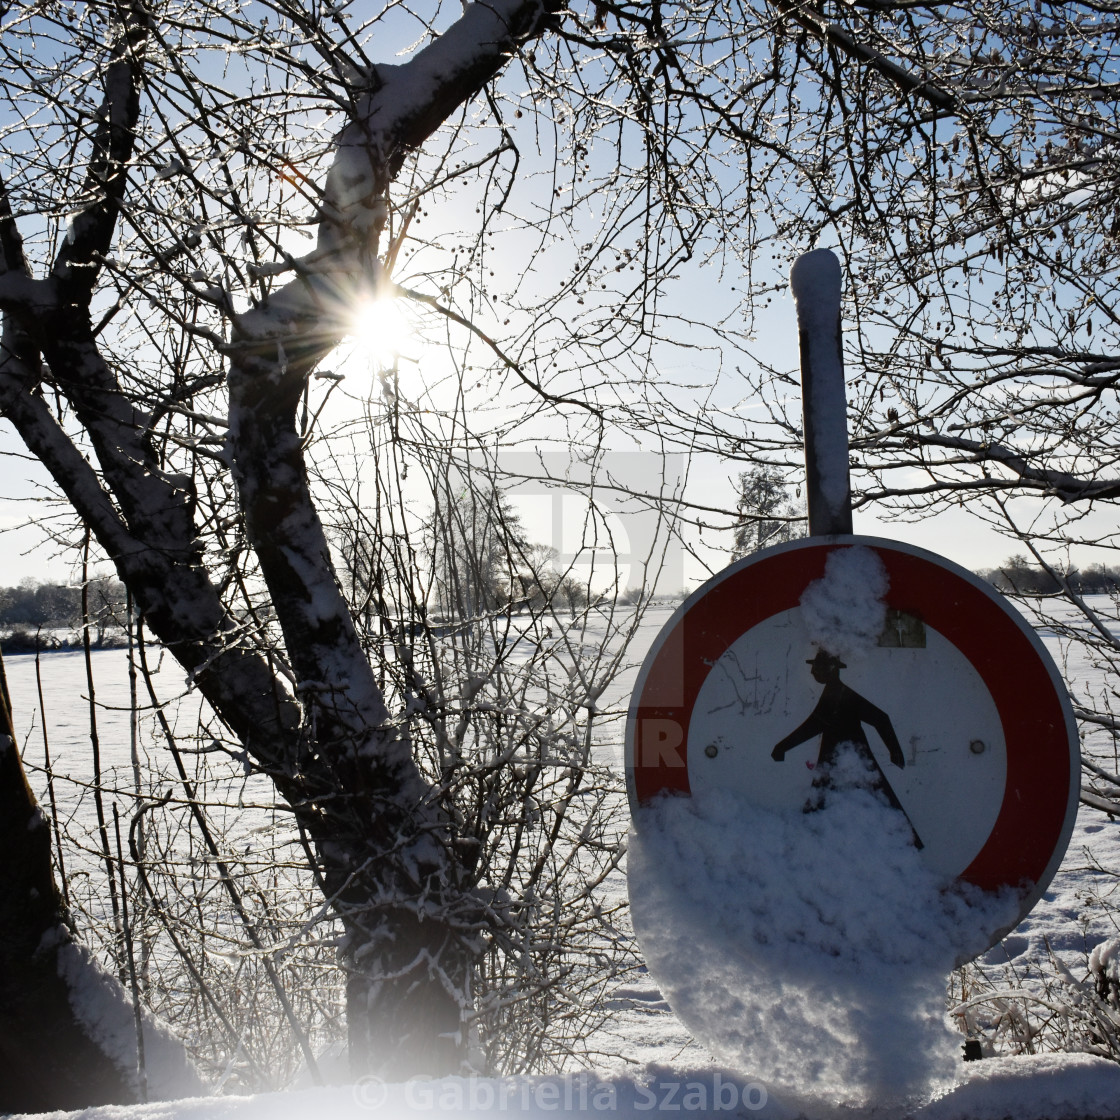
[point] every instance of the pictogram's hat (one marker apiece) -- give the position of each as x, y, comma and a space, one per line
825, 660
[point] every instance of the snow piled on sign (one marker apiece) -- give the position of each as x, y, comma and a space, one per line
807, 949
845, 610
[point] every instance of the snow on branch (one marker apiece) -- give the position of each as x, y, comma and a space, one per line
32, 417
18, 290
91, 229
1102, 803
402, 107
407, 103
1063, 485
817, 24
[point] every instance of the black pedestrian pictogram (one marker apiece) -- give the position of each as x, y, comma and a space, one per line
838, 719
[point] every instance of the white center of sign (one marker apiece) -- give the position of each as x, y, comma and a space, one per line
762, 688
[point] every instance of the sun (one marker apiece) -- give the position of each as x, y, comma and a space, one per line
379, 333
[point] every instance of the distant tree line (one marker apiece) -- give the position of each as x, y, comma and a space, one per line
33, 605
483, 562
1018, 575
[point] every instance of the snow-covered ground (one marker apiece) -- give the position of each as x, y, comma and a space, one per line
1045, 1087
649, 1062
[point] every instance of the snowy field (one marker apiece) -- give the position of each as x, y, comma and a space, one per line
648, 1061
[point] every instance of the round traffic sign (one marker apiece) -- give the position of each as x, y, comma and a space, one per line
950, 698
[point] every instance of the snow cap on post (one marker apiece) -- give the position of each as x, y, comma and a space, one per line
815, 281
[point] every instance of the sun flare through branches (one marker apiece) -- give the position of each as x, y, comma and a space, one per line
380, 335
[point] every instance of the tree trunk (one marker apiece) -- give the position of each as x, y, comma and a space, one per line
48, 1060
405, 1014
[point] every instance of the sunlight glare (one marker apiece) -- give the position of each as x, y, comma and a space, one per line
379, 333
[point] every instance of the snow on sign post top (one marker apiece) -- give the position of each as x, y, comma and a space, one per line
850, 764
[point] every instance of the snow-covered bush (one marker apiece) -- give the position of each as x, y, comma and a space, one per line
1049, 1010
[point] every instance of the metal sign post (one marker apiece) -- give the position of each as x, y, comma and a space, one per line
816, 282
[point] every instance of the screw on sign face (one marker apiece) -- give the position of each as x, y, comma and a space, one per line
838, 719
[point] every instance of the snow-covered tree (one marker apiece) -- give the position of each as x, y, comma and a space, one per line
766, 514
478, 550
151, 180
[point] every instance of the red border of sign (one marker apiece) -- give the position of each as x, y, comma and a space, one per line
1039, 806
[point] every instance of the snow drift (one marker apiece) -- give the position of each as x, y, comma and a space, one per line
808, 949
